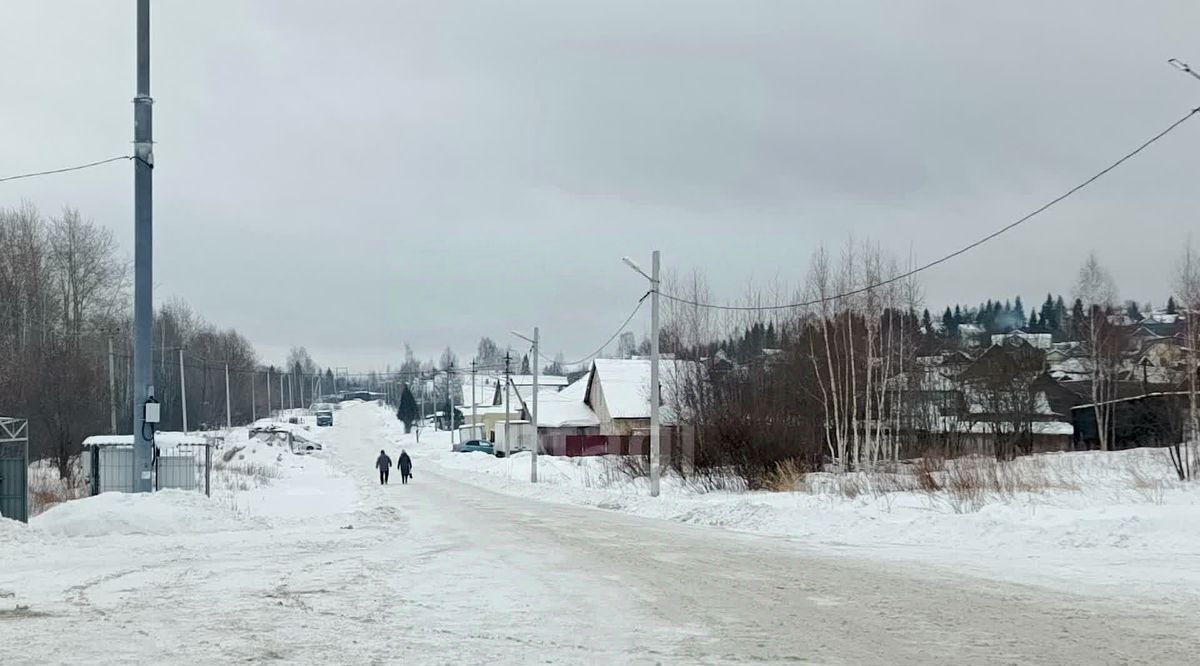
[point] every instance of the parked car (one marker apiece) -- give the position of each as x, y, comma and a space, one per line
325, 417
303, 447
474, 445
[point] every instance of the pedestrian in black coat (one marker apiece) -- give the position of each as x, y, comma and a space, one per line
384, 464
405, 465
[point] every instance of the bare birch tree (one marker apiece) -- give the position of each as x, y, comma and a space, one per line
1187, 291
1095, 288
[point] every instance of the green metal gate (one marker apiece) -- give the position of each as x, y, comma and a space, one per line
14, 468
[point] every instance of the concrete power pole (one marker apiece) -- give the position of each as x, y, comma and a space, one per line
474, 401
449, 402
655, 394
143, 257
268, 394
112, 391
182, 392
533, 413
253, 402
507, 383
228, 414
281, 391
537, 441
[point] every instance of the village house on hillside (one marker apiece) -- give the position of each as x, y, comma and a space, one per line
618, 391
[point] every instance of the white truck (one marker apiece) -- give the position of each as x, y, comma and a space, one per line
521, 436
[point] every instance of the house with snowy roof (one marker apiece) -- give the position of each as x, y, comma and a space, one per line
523, 384
618, 391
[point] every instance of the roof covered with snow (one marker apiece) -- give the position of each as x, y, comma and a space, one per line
625, 384
556, 410
160, 438
543, 380
485, 389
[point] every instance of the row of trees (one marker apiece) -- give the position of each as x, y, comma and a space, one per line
1054, 317
65, 342
843, 383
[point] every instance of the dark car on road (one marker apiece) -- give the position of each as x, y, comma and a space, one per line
473, 446
325, 417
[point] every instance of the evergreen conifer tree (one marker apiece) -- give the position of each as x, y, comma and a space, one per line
1132, 311
407, 410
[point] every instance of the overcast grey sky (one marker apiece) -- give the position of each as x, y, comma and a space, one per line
446, 170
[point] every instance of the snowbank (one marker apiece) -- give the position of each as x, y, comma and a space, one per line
266, 479
163, 513
13, 532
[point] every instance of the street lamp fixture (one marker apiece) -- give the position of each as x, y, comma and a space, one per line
1183, 67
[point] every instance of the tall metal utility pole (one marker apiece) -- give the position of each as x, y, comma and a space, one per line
253, 402
536, 439
474, 401
268, 393
112, 390
655, 393
507, 384
449, 401
182, 392
143, 257
228, 414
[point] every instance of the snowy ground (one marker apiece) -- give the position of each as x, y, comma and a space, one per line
1106, 524
315, 562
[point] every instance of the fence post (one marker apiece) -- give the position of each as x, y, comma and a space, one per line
208, 469
95, 470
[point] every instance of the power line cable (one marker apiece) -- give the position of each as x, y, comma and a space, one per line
960, 251
607, 342
66, 169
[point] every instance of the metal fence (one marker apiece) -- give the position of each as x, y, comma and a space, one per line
14, 468
108, 466
678, 445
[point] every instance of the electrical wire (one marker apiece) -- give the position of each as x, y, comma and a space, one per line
66, 169
952, 255
607, 342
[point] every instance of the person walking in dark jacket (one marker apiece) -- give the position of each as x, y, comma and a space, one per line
405, 465
383, 463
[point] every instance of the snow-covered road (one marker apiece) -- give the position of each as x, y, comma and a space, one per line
445, 572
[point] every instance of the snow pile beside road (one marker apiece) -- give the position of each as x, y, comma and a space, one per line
266, 479
13, 532
163, 513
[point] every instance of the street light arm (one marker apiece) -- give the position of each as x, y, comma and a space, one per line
529, 340
1183, 67
633, 264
